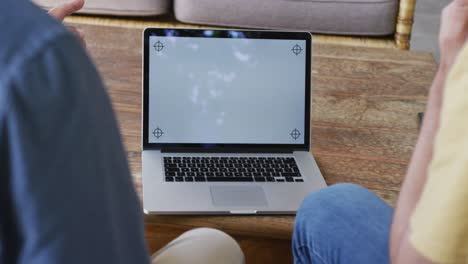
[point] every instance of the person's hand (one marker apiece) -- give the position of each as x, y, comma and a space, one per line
66, 9
453, 31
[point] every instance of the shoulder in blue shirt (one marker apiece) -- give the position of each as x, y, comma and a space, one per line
66, 194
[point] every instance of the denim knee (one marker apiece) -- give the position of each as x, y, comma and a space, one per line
341, 196
322, 209
335, 218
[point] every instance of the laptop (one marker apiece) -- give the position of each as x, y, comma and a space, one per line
226, 122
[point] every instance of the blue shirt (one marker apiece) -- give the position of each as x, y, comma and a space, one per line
66, 194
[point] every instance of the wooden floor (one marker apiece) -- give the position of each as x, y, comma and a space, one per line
364, 127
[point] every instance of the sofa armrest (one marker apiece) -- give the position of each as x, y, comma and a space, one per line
404, 24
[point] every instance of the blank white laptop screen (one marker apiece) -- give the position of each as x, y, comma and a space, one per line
226, 90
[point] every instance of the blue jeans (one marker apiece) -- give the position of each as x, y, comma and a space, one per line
344, 223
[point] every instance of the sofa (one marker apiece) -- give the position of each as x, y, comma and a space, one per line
370, 18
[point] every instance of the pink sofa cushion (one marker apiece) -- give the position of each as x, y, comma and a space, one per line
347, 17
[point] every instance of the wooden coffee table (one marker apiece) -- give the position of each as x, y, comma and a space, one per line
364, 127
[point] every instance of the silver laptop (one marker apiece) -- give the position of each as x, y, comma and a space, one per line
226, 122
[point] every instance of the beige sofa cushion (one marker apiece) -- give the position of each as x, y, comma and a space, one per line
117, 7
349, 17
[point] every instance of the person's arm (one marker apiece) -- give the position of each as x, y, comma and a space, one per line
417, 171
60, 12
454, 31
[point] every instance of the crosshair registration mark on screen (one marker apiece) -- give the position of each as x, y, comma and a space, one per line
158, 133
295, 134
158, 46
296, 49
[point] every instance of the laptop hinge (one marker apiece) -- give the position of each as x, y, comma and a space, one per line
242, 151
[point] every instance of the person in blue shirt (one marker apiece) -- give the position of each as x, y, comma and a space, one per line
66, 194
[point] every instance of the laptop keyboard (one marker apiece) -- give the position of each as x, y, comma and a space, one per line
231, 169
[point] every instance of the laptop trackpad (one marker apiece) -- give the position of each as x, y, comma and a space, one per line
238, 196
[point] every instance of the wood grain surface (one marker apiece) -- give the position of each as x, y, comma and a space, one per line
364, 126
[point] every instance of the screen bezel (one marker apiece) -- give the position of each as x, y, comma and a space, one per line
249, 34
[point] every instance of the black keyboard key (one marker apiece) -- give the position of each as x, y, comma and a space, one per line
260, 179
219, 174
266, 174
179, 179
238, 174
181, 174
185, 169
299, 180
170, 174
209, 174
190, 174
169, 179
289, 179
189, 179
228, 174
245, 179
280, 180
290, 174
199, 174
229, 179
172, 170
270, 179
199, 179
